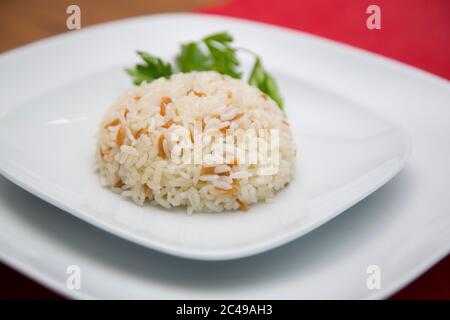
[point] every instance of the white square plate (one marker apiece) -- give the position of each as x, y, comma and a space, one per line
48, 147
392, 228
345, 153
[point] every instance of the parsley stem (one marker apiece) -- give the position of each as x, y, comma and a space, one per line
247, 51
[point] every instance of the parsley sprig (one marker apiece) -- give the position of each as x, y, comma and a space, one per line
153, 68
261, 79
213, 52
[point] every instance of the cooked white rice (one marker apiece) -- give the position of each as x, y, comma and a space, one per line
134, 152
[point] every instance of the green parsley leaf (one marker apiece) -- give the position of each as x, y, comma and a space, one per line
212, 53
153, 68
222, 37
192, 58
261, 79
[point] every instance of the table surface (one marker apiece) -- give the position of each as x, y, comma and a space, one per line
24, 21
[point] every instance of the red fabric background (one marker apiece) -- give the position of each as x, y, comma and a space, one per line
416, 32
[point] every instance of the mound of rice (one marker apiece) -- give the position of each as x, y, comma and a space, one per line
133, 150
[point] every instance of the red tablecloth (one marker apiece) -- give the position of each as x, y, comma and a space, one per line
416, 32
